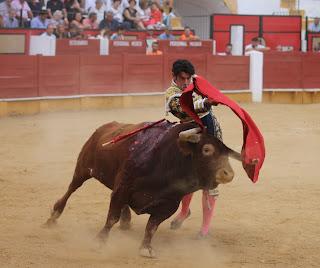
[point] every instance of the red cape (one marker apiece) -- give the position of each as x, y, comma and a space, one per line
253, 150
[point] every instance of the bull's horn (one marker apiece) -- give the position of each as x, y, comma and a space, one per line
190, 135
235, 155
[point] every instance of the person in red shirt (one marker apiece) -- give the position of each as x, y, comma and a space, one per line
188, 35
156, 16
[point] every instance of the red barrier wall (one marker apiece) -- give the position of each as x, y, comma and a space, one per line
310, 74
75, 47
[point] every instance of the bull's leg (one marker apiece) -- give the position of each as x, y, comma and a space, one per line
160, 214
116, 204
184, 213
59, 206
125, 218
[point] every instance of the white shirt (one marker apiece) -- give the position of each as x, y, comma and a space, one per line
99, 12
117, 13
45, 34
16, 5
250, 47
314, 28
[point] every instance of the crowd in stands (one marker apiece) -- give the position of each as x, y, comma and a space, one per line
87, 14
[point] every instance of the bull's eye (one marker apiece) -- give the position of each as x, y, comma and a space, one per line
208, 150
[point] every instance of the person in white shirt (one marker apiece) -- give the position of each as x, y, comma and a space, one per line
315, 26
49, 32
117, 9
256, 46
99, 8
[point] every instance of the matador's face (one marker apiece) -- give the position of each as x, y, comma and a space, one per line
183, 80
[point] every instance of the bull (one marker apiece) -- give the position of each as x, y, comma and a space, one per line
149, 171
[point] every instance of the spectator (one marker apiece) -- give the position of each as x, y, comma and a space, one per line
91, 21
77, 20
72, 7
104, 33
109, 22
117, 11
131, 16
99, 9
55, 5
167, 17
144, 11
57, 18
155, 21
23, 11
155, 49
11, 21
227, 50
1, 22
119, 35
315, 26
188, 35
4, 8
35, 7
166, 35
49, 33
61, 32
41, 21
255, 45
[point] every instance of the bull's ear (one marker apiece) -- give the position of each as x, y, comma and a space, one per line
187, 139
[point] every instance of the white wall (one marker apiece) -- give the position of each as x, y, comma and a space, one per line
258, 7
312, 7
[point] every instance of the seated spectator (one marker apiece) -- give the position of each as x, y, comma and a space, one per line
166, 35
41, 21
5, 6
23, 11
188, 35
131, 16
167, 17
57, 18
35, 7
315, 26
256, 46
91, 21
155, 49
61, 31
104, 33
99, 9
155, 21
49, 33
119, 35
77, 20
55, 5
11, 21
117, 10
227, 50
144, 11
72, 7
109, 22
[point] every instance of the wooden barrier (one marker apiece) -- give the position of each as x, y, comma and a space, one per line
186, 47
76, 47
135, 47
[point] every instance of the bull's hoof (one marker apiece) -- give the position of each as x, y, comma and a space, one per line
147, 252
177, 223
102, 236
125, 226
50, 223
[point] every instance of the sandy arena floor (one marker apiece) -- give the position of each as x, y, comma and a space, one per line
274, 223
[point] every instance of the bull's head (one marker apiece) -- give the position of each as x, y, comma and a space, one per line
210, 156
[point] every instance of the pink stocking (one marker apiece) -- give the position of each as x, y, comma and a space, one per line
185, 207
208, 203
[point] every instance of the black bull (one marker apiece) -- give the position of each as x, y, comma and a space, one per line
149, 172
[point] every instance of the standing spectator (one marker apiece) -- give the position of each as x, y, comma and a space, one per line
49, 33
35, 7
131, 16
1, 22
53, 6
61, 32
104, 34
4, 8
155, 49
109, 22
91, 21
188, 35
11, 21
77, 20
166, 35
57, 18
315, 26
255, 45
41, 21
99, 9
119, 35
72, 7
23, 11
